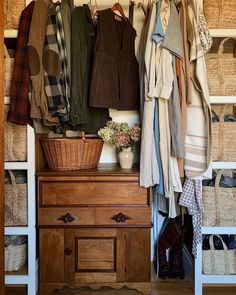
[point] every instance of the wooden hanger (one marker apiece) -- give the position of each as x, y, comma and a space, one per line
140, 4
117, 7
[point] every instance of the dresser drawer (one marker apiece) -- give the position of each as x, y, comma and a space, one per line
68, 216
94, 193
121, 216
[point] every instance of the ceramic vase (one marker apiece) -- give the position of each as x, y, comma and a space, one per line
126, 157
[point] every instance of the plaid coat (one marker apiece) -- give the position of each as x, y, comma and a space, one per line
19, 111
53, 75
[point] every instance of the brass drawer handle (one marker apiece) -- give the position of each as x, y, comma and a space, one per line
68, 218
120, 217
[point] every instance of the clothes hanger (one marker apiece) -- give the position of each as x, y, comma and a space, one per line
131, 11
58, 2
118, 8
141, 4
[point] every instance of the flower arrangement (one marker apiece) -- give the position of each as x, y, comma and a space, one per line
118, 135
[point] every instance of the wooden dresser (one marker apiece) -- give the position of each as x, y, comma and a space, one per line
94, 229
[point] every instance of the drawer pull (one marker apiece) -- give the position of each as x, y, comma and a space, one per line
68, 251
120, 217
68, 218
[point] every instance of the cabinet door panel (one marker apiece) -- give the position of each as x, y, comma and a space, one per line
93, 257
51, 247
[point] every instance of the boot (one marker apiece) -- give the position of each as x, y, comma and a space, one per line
176, 261
170, 234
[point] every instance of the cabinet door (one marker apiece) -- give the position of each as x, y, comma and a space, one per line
137, 255
107, 255
51, 253
91, 255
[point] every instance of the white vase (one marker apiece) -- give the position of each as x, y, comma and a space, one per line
126, 157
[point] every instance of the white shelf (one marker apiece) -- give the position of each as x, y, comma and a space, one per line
223, 99
10, 33
16, 165
17, 280
218, 279
17, 230
6, 99
223, 165
223, 32
28, 278
221, 230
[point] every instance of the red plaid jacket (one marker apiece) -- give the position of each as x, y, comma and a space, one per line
19, 111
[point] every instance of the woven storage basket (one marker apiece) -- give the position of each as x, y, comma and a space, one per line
220, 14
15, 202
72, 153
219, 204
221, 67
221, 262
8, 70
12, 12
223, 139
15, 142
15, 257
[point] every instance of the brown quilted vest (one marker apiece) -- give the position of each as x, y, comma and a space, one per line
115, 74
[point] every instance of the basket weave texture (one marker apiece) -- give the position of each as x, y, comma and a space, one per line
221, 67
72, 153
220, 14
15, 202
12, 12
8, 70
221, 262
15, 257
223, 139
15, 142
219, 204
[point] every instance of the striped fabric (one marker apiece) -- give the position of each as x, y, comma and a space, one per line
63, 54
198, 137
53, 77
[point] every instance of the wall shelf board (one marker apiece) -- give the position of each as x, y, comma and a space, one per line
220, 230
10, 33
223, 165
218, 33
218, 279
223, 99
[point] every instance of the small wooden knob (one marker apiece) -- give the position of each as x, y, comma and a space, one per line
68, 251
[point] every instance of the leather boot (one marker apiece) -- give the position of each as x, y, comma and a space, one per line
170, 234
176, 259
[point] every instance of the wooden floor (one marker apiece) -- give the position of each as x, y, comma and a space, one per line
159, 287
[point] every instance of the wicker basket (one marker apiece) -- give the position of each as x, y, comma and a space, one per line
219, 204
15, 142
15, 257
223, 139
220, 14
72, 153
12, 12
221, 67
218, 262
15, 203
8, 70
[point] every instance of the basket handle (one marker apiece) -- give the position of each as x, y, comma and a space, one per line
212, 244
12, 177
6, 53
220, 55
